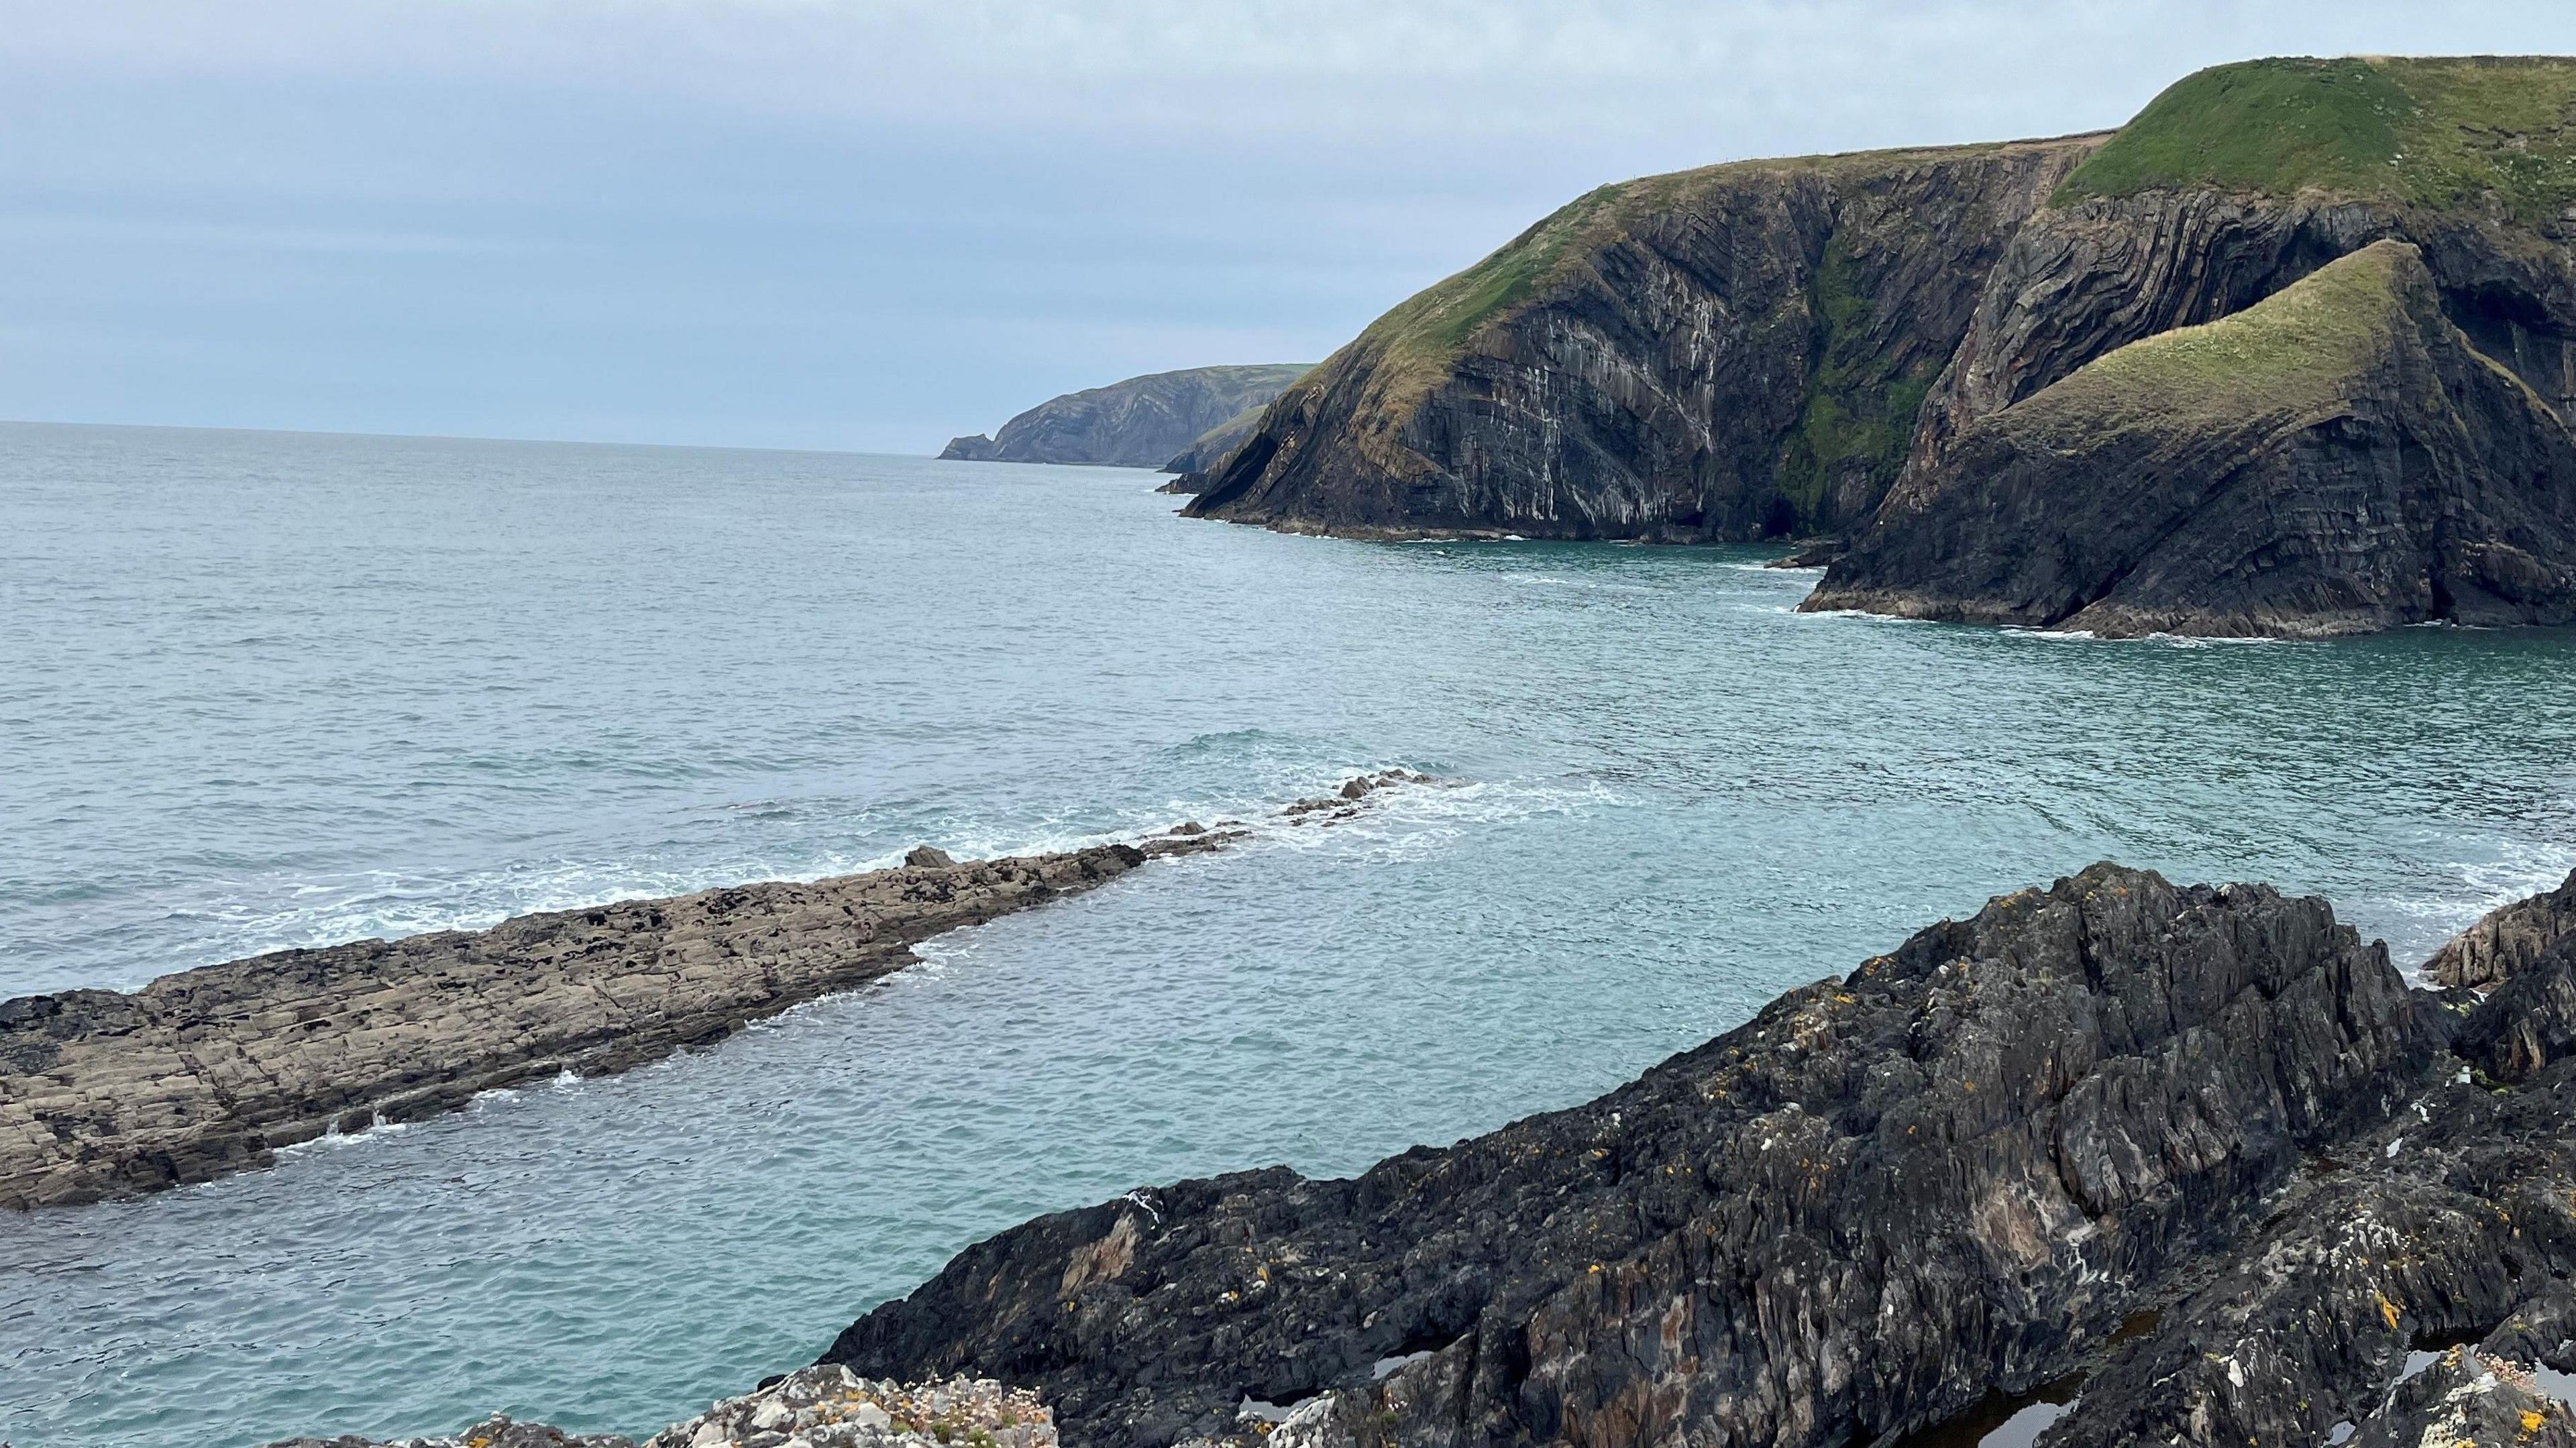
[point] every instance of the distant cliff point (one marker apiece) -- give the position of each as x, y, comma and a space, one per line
1143, 422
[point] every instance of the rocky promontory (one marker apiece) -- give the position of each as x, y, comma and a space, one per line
2150, 1164
1142, 422
1864, 349
106, 1094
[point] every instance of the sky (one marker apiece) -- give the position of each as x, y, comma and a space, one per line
874, 224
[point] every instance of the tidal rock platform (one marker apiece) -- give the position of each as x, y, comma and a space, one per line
108, 1094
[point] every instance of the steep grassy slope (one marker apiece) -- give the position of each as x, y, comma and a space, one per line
2333, 459
2433, 132
1729, 352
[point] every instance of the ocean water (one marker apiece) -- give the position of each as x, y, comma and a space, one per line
265, 690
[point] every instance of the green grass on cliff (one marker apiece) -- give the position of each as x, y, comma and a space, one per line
1857, 407
2294, 349
2431, 132
1415, 342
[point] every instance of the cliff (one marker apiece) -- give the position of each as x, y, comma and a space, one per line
2334, 459
1212, 446
1807, 347
2167, 1165
1139, 423
1734, 352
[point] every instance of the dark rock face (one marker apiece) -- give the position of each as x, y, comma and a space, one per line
1212, 448
1139, 423
1731, 353
2336, 459
1818, 347
1956, 1172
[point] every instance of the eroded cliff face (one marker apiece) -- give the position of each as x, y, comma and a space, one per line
2337, 458
1806, 347
1723, 354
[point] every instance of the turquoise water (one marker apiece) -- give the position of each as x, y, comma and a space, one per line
264, 690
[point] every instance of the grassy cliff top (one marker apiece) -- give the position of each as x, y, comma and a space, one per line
2295, 350
2431, 132
1424, 332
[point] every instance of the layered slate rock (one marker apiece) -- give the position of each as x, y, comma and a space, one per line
1735, 352
2336, 458
1757, 350
1141, 422
1953, 1173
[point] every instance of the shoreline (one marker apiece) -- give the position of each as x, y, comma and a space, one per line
203, 1073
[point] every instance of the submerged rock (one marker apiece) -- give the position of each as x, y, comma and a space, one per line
2196, 1155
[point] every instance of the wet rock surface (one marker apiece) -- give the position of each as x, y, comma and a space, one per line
2196, 1156
2507, 940
812, 1408
105, 1094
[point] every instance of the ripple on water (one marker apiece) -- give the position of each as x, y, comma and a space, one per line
329, 687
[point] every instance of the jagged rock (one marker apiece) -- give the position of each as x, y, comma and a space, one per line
2337, 458
2506, 940
1139, 423
928, 857
1954, 1172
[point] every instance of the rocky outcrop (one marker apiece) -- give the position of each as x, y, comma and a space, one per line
2192, 1165
812, 1408
211, 1071
2506, 940
1782, 349
2337, 458
1736, 352
1139, 423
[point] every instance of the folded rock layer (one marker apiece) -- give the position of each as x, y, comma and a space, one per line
1954, 1174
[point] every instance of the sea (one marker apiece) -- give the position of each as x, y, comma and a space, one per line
261, 690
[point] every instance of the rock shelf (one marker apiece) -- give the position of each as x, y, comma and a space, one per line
105, 1094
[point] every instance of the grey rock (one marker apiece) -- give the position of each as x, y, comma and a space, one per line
1139, 423
929, 857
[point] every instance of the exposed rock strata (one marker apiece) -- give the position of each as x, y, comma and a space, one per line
1139, 423
2202, 1144
812, 1408
1736, 352
1787, 348
210, 1071
2337, 458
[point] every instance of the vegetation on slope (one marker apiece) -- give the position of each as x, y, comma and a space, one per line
1858, 406
2431, 132
2293, 350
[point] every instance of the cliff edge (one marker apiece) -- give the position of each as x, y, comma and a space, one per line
1142, 422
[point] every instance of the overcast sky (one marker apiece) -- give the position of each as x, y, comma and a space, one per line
872, 224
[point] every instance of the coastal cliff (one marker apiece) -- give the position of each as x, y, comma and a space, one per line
1142, 422
2192, 1165
1824, 349
2335, 459
1735, 352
